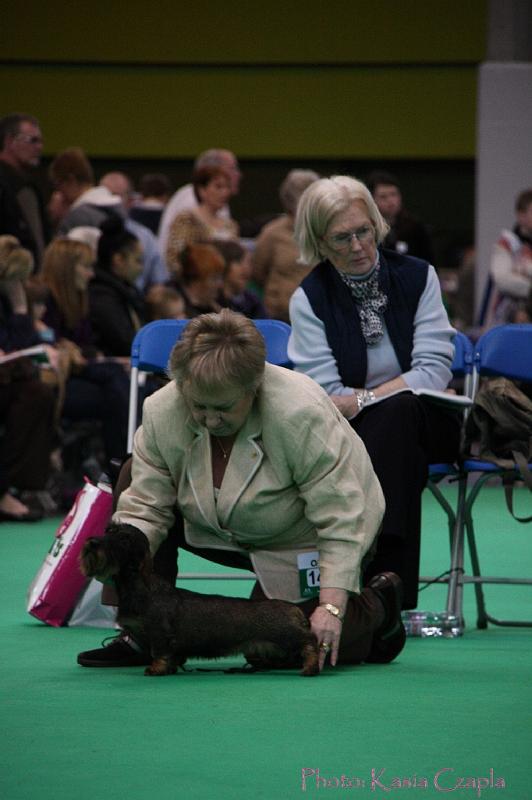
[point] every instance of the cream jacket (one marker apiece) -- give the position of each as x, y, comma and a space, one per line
298, 479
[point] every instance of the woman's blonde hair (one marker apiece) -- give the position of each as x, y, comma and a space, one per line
219, 350
60, 259
322, 201
16, 263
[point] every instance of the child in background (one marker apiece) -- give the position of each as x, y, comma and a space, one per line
237, 274
164, 302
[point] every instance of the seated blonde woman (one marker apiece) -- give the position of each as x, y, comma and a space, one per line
366, 323
95, 388
212, 188
252, 465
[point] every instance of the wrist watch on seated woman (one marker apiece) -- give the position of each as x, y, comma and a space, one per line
363, 397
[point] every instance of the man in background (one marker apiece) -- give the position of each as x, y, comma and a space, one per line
88, 205
22, 210
155, 192
407, 235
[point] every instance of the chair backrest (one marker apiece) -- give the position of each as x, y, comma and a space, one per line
276, 334
463, 355
462, 366
153, 344
507, 351
151, 348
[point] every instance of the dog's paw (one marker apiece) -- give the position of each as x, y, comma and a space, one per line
160, 667
310, 672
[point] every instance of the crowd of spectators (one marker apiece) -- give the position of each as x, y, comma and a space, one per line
105, 258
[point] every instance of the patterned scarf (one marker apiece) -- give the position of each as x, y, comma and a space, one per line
371, 302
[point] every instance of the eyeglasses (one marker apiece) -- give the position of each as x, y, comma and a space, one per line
25, 137
341, 241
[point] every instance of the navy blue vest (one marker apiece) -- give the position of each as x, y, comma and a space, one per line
401, 278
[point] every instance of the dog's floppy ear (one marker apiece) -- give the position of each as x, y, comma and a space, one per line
92, 558
126, 546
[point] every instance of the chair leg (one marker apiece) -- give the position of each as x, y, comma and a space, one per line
482, 618
444, 503
455, 588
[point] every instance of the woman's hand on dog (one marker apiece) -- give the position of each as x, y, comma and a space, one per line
326, 627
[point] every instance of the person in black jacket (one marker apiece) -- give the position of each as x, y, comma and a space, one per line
407, 234
22, 210
116, 307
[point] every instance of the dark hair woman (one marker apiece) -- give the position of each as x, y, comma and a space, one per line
116, 307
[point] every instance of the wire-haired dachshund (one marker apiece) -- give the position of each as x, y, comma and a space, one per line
178, 624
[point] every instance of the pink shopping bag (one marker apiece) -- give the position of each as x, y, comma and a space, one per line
54, 591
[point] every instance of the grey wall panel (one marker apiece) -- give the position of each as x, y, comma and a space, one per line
504, 153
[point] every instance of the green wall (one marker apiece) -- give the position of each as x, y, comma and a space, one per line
266, 79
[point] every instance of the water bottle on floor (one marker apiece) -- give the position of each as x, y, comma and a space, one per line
431, 623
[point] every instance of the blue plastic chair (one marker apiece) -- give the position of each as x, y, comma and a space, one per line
503, 351
150, 352
276, 334
462, 368
153, 344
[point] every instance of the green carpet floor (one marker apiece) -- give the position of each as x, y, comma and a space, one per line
445, 711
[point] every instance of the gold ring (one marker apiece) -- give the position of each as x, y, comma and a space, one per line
324, 646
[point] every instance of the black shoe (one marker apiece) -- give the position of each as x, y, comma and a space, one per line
389, 639
118, 653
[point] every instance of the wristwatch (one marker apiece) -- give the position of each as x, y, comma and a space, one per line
334, 610
364, 396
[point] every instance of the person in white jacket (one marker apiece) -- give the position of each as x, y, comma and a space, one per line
511, 267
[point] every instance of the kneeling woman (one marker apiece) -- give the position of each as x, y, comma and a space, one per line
267, 475
368, 322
